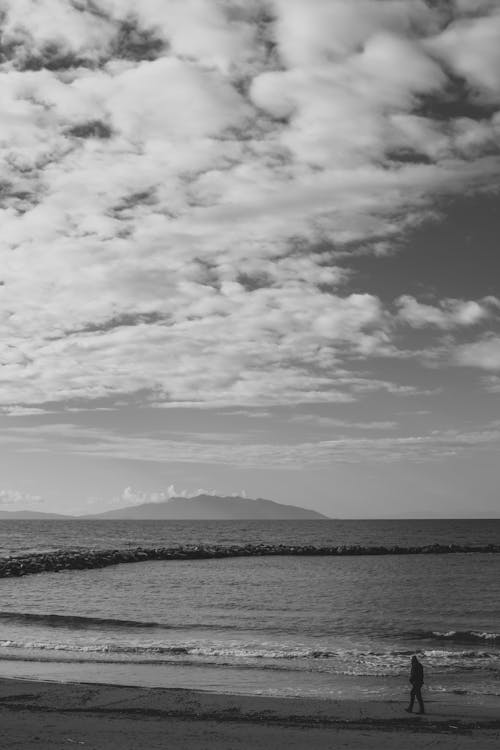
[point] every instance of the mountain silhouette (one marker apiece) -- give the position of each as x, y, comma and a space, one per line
210, 507
28, 515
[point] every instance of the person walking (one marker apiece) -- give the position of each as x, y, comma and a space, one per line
417, 680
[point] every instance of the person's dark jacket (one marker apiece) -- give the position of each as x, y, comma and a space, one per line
417, 674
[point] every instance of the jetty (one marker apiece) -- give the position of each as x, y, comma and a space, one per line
87, 559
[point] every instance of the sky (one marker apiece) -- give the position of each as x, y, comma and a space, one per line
250, 247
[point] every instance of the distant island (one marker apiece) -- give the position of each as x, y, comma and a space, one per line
198, 508
211, 508
32, 515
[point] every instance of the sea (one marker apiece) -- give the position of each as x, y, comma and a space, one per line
323, 627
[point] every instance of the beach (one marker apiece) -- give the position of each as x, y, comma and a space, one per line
255, 625
245, 652
50, 715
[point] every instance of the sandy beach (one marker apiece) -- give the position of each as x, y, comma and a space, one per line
49, 715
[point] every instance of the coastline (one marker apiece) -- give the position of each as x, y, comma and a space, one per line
43, 715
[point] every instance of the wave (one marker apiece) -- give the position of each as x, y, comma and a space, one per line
244, 651
240, 651
95, 648
433, 652
457, 636
75, 621
83, 622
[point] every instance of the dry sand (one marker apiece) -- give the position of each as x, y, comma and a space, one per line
50, 716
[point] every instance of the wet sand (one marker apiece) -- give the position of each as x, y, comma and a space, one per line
49, 716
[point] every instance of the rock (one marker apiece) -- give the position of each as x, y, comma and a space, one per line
62, 560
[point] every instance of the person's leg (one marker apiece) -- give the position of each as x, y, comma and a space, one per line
419, 698
412, 700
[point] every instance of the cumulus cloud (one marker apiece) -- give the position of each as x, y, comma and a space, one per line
451, 313
469, 45
16, 498
131, 496
178, 178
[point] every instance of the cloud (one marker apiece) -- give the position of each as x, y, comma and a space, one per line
470, 47
179, 177
321, 31
451, 313
319, 421
250, 413
483, 354
15, 498
22, 411
131, 496
249, 453
492, 383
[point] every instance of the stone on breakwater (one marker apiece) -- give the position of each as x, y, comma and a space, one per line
87, 559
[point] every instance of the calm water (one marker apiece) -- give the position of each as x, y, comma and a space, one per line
285, 625
17, 537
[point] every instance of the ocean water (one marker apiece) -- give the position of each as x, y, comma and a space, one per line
322, 626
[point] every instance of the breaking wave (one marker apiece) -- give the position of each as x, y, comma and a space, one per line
280, 652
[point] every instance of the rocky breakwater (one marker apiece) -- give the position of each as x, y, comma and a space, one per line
71, 559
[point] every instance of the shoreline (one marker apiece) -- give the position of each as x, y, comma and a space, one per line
245, 681
46, 714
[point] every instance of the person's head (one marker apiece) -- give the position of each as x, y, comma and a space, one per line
414, 660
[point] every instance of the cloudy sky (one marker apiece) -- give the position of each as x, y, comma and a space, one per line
250, 245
